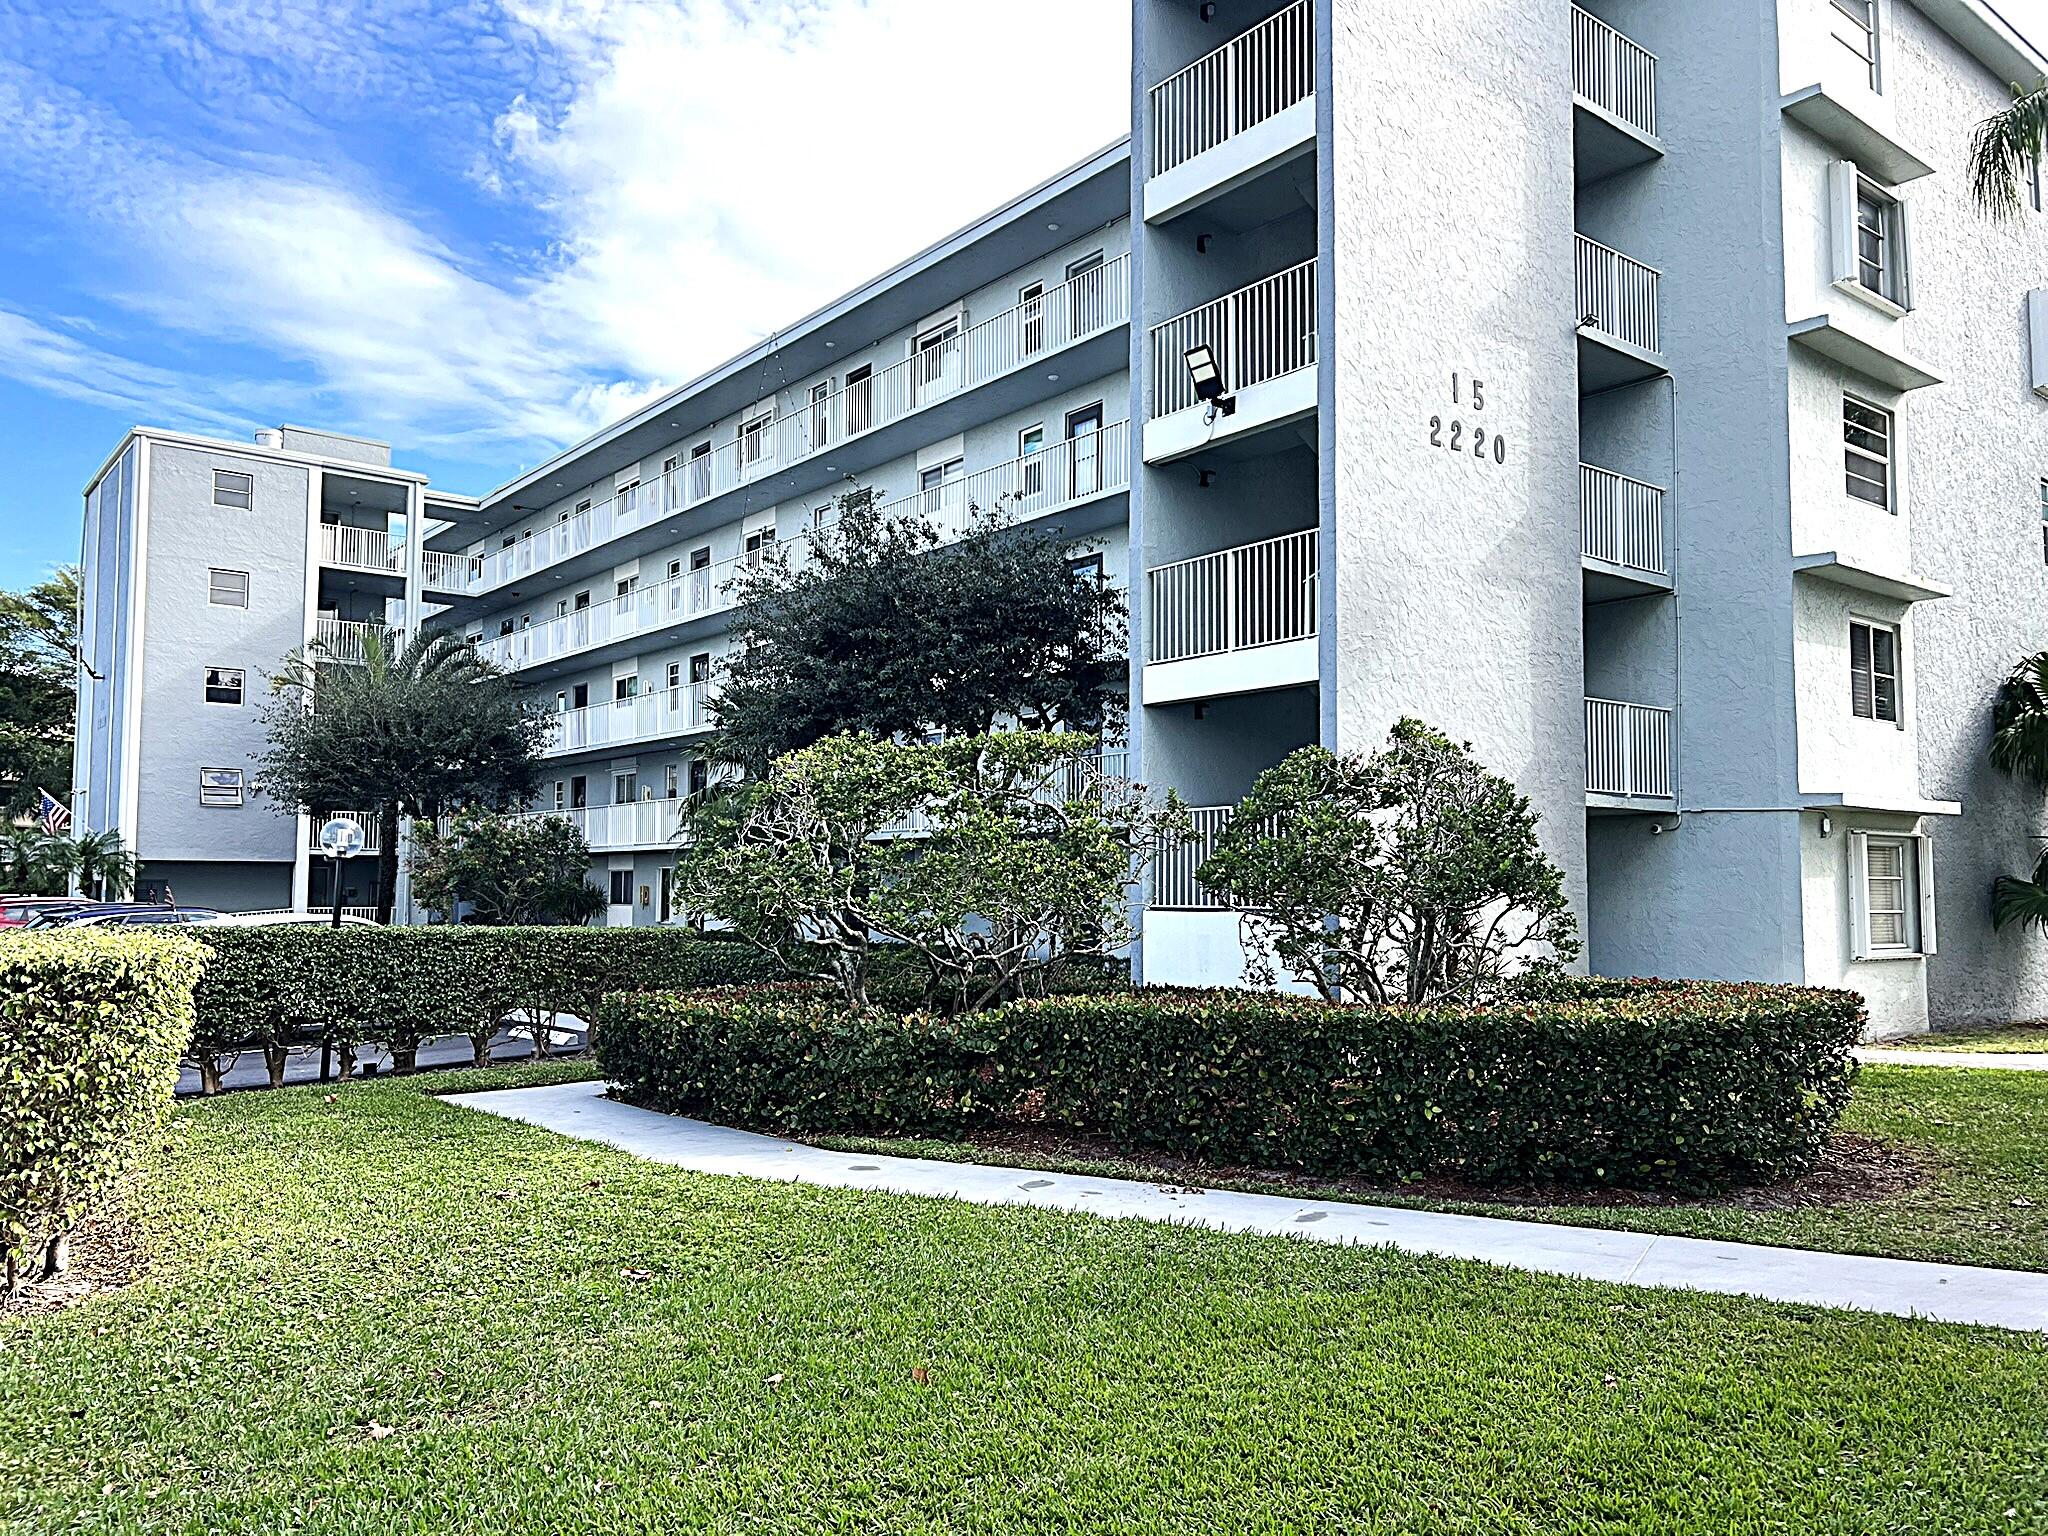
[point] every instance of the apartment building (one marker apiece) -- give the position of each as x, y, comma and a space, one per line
1630, 389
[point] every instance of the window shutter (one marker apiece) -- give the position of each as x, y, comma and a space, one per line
1923, 848
1860, 691
1859, 907
1902, 253
1884, 673
1842, 221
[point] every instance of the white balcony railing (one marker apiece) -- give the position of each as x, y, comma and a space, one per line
949, 364
1616, 295
342, 639
1256, 75
1234, 600
446, 572
1175, 860
1621, 520
1258, 333
643, 718
636, 825
1034, 485
1614, 72
360, 549
372, 825
1628, 750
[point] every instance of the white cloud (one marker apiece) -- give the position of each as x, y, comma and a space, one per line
706, 173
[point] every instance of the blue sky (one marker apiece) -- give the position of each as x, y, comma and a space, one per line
477, 229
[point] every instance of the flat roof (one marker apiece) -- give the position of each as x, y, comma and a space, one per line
256, 450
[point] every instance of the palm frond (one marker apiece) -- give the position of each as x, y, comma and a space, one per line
2019, 720
2001, 148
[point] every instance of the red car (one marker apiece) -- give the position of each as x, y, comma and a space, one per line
15, 911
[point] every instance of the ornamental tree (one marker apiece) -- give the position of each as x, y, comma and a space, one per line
38, 689
511, 871
989, 859
1411, 876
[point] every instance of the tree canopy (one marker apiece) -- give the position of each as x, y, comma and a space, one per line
510, 871
38, 688
886, 629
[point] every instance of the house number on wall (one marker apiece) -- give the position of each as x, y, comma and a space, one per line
1452, 434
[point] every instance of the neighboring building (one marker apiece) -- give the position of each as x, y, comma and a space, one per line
1630, 390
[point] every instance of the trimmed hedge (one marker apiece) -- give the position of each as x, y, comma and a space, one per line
1648, 1085
271, 989
91, 1025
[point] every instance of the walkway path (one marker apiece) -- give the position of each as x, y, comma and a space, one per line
2002, 1061
1947, 1293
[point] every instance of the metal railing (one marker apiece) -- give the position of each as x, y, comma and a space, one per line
635, 825
369, 821
1256, 75
446, 572
1030, 486
1628, 750
945, 365
1257, 333
360, 549
1616, 294
1621, 520
1234, 600
1176, 858
626, 722
342, 639
1077, 778
1614, 72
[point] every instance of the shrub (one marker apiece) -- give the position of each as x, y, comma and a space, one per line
271, 989
1642, 1084
90, 1030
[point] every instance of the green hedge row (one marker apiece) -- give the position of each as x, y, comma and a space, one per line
271, 989
1649, 1085
91, 1025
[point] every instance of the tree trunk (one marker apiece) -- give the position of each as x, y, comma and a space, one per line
404, 1058
480, 1047
274, 1059
57, 1256
209, 1077
387, 859
345, 1059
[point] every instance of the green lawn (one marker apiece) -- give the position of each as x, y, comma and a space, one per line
1981, 1136
2006, 1038
553, 1337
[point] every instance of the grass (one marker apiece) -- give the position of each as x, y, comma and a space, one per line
367, 1311
1982, 1137
2003, 1038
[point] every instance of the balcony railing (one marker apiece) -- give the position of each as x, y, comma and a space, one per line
446, 572
1614, 72
1175, 860
360, 549
1628, 750
1256, 75
343, 639
946, 365
1034, 485
1621, 520
372, 825
638, 824
643, 718
1254, 595
1258, 333
1616, 295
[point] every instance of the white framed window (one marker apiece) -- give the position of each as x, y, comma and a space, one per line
562, 701
1867, 452
1872, 248
1031, 316
671, 781
1891, 895
625, 689
1855, 28
232, 488
753, 440
221, 788
700, 667
1874, 671
622, 887
561, 795
224, 685
227, 589
625, 788
760, 544
675, 676
1877, 229
675, 570
583, 506
621, 590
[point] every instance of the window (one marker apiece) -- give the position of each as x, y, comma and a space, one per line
561, 607
505, 627
1855, 28
821, 413
675, 569
622, 887
220, 788
1873, 671
509, 541
1086, 293
1891, 906
1087, 570
936, 358
232, 488
625, 689
671, 781
753, 440
700, 775
625, 788
1877, 234
760, 544
860, 399
1031, 451
675, 676
224, 685
580, 602
227, 589
934, 484
700, 471
561, 795
579, 792
626, 496
625, 589
1031, 316
1867, 451
583, 506
700, 667
580, 695
821, 515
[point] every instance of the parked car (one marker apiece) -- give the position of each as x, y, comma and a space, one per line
144, 917
17, 911
278, 919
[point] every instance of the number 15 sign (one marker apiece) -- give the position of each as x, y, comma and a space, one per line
1452, 434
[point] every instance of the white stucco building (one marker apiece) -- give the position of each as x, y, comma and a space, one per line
1630, 389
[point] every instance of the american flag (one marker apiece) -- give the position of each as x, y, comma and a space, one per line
55, 813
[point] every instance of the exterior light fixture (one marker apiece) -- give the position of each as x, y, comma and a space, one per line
1208, 381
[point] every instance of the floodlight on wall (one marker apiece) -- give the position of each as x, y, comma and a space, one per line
1207, 378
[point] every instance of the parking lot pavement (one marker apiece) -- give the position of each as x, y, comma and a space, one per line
444, 1051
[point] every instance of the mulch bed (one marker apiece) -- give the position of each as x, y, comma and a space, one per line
1853, 1169
106, 1254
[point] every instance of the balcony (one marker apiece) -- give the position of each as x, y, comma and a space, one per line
444, 572
1621, 535
1614, 100
642, 720
1620, 340
641, 826
1060, 478
1233, 114
361, 549
953, 364
1628, 756
371, 824
1238, 621
1265, 342
345, 640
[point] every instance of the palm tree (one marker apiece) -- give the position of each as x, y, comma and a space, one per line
2019, 745
101, 863
2004, 146
32, 862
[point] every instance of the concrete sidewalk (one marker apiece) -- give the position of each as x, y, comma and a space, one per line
1905, 1056
1943, 1292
